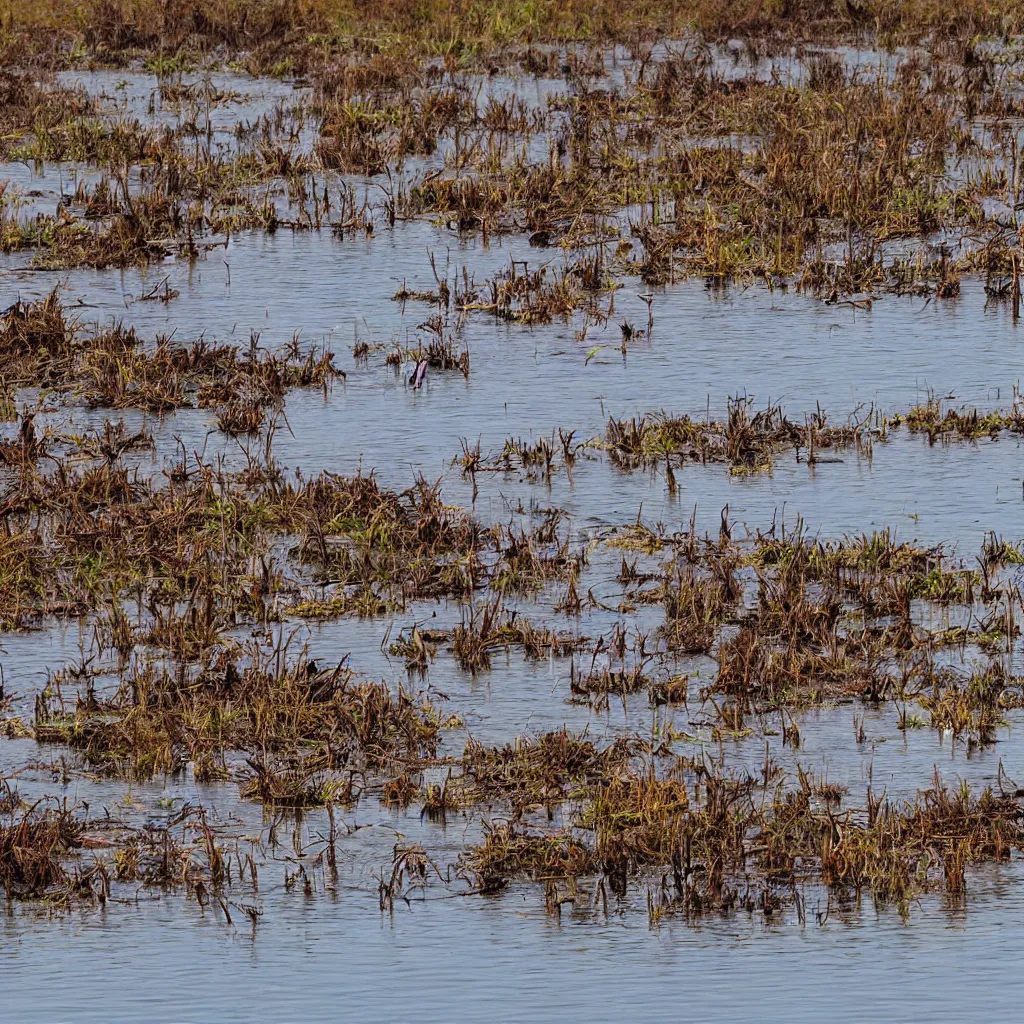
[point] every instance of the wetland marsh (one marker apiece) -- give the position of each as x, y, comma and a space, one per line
510, 510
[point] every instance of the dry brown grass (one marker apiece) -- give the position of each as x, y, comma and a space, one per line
453, 25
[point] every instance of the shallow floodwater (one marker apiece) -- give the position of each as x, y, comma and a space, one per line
332, 954
470, 960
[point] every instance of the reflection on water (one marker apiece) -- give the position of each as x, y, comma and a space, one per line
504, 960
331, 955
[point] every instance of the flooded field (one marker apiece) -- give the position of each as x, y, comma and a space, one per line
510, 519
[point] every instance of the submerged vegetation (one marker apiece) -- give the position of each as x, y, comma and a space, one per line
734, 143
894, 175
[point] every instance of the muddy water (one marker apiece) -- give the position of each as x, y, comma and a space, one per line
331, 954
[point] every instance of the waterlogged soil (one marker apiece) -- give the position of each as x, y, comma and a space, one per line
322, 945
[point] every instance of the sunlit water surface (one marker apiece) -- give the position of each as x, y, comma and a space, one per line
333, 955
